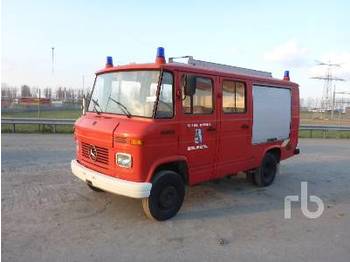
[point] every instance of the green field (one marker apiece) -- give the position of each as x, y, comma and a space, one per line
62, 114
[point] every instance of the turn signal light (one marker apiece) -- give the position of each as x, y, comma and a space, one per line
136, 141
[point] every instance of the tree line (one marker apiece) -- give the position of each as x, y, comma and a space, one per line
61, 93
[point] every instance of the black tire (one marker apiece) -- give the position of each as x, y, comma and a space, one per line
166, 197
266, 173
250, 177
96, 189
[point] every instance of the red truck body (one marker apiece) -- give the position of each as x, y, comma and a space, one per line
199, 147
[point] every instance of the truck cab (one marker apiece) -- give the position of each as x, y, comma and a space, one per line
149, 130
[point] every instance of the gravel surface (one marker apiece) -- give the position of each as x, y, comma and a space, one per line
48, 215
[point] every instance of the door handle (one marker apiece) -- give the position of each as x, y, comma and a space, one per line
245, 126
211, 129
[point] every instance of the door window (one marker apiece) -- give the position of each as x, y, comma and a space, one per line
233, 97
165, 102
202, 100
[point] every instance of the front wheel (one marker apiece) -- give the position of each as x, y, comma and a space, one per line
166, 197
96, 189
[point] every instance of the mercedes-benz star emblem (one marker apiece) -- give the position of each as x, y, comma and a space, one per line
93, 153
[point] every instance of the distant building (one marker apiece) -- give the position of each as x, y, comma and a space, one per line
57, 103
34, 101
5, 102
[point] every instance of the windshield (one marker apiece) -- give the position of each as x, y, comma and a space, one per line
132, 93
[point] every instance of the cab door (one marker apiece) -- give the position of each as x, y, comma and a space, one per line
234, 146
198, 131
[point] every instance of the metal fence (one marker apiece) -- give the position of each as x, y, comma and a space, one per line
323, 128
37, 121
57, 122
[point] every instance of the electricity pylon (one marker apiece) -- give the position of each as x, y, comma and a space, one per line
328, 94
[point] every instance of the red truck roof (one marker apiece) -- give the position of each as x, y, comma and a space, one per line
197, 69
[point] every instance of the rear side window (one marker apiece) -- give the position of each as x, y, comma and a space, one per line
233, 97
202, 101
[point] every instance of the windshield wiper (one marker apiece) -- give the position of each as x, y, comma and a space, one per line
96, 104
123, 107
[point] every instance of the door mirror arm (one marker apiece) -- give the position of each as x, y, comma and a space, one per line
190, 86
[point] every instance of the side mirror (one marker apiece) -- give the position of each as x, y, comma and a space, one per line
190, 87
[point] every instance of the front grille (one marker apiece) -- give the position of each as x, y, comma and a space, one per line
101, 153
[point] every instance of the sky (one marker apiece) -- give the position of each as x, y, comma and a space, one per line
266, 35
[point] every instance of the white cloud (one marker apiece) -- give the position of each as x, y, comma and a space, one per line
288, 54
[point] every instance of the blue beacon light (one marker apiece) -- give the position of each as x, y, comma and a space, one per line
286, 75
109, 62
160, 58
160, 51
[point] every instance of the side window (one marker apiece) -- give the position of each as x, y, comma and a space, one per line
233, 97
202, 100
165, 102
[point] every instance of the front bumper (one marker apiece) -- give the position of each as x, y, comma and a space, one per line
111, 184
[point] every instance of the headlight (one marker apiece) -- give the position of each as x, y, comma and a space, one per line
123, 160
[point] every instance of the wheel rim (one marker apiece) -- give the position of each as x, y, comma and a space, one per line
168, 198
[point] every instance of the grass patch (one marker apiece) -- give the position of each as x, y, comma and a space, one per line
61, 114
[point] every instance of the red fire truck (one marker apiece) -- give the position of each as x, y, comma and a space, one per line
149, 130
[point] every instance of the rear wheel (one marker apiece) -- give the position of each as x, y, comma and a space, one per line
250, 176
266, 173
166, 197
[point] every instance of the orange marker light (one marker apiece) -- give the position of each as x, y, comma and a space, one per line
136, 141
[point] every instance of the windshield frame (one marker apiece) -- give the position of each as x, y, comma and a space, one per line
155, 104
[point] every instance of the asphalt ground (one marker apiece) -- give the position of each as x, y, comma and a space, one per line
49, 215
